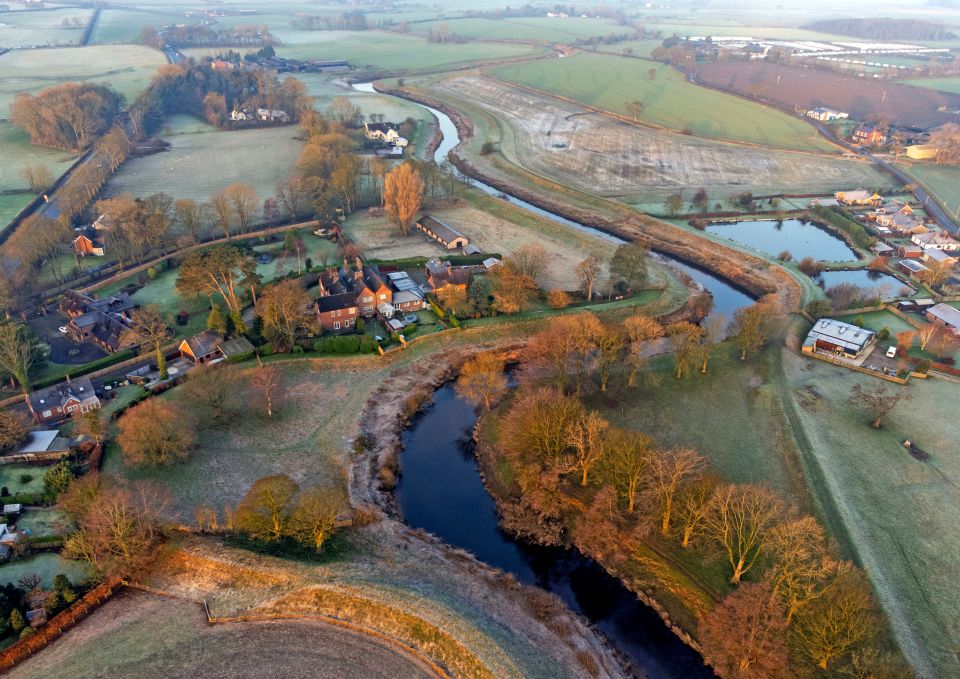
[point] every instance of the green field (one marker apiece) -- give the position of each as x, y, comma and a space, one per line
610, 82
942, 181
636, 48
13, 477
17, 151
951, 85
42, 28
379, 51
542, 29
124, 25
46, 566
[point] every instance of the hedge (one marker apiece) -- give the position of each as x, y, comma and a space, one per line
90, 367
839, 220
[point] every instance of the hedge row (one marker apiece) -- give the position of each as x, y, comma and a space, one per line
86, 368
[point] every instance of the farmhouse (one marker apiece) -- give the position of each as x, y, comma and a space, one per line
912, 268
936, 240
385, 132
825, 115
838, 338
858, 197
442, 232
89, 242
64, 399
869, 136
945, 315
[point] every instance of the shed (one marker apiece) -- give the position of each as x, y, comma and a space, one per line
945, 315
201, 348
236, 348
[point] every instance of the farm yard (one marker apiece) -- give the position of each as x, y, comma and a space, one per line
203, 160
607, 157
611, 83
795, 88
42, 28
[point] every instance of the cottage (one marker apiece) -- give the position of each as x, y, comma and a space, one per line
869, 136
945, 315
337, 313
442, 232
912, 268
838, 338
825, 114
89, 242
936, 240
858, 197
385, 132
64, 399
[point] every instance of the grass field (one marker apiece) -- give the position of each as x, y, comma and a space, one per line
898, 513
636, 48
17, 151
42, 29
942, 181
14, 478
11, 205
380, 51
125, 25
201, 163
128, 68
47, 566
543, 29
610, 82
951, 85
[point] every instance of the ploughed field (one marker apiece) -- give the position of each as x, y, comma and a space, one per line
797, 87
605, 156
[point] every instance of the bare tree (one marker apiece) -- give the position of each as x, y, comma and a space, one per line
752, 326
193, 216
878, 400
741, 520
19, 352
585, 438
669, 471
693, 505
313, 516
264, 510
800, 563
685, 342
610, 343
530, 260
152, 331
38, 176
155, 432
243, 202
625, 461
588, 271
640, 331
482, 379
267, 383
282, 307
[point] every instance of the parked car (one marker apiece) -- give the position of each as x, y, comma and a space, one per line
63, 329
264, 259
892, 352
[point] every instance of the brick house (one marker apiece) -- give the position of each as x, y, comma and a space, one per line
103, 321
64, 399
869, 136
337, 313
89, 243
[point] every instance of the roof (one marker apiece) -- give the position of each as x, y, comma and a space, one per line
442, 230
39, 441
939, 255
915, 267
882, 247
345, 300
203, 344
946, 313
80, 389
404, 296
380, 127
840, 333
858, 194
401, 281
238, 346
934, 238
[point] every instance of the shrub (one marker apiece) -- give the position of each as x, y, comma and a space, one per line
858, 321
297, 349
884, 333
183, 317
152, 273
924, 365
26, 478
819, 308
810, 266
308, 263
785, 256
558, 299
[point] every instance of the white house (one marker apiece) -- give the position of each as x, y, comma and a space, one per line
825, 115
272, 115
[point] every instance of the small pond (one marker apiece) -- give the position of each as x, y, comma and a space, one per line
798, 237
885, 285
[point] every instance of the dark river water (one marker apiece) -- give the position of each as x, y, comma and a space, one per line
883, 283
800, 238
441, 491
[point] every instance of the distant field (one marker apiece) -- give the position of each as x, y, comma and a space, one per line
951, 85
940, 180
11, 205
201, 163
379, 51
610, 82
124, 25
636, 48
128, 68
546, 29
42, 28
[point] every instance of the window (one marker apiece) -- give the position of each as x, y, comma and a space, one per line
383, 296
346, 323
336, 325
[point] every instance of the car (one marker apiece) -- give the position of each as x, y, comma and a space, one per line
892, 352
411, 318
63, 329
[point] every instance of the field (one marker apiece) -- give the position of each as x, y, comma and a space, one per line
12, 478
43, 522
128, 68
47, 566
900, 516
607, 157
610, 83
125, 25
942, 181
11, 205
802, 88
15, 146
42, 28
200, 163
542, 29
951, 85
636, 48
380, 51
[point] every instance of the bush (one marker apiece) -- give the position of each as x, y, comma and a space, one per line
819, 308
858, 321
297, 349
26, 478
810, 266
338, 344
558, 299
183, 317
266, 350
152, 273
884, 333
409, 330
924, 365
785, 256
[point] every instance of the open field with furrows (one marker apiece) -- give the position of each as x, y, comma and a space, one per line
948, 84
200, 163
42, 28
941, 181
899, 514
607, 157
381, 51
802, 88
152, 636
610, 82
128, 68
544, 29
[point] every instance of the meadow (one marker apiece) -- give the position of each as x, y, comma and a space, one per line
951, 85
941, 181
540, 29
42, 28
125, 25
611, 83
17, 151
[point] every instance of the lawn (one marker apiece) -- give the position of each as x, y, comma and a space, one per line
10, 206
203, 162
47, 566
379, 51
44, 522
42, 28
21, 478
611, 82
899, 514
161, 294
942, 181
878, 320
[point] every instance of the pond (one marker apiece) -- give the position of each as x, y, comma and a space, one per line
441, 491
884, 284
798, 237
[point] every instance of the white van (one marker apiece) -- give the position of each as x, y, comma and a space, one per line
892, 352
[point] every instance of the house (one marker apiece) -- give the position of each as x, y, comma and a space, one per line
911, 267
407, 295
89, 242
245, 114
945, 315
936, 240
932, 256
385, 132
442, 232
63, 399
441, 275
905, 224
838, 338
272, 115
858, 197
869, 136
881, 249
337, 313
910, 251
370, 288
203, 348
104, 321
889, 209
825, 115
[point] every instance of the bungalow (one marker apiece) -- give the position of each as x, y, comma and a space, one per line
858, 197
443, 233
936, 240
65, 398
89, 242
825, 115
912, 268
933, 256
945, 315
905, 224
870, 136
838, 338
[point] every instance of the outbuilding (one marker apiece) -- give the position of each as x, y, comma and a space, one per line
838, 338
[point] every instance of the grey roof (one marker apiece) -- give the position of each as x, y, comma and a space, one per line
840, 333
236, 347
39, 441
441, 230
405, 296
80, 389
337, 302
946, 313
204, 344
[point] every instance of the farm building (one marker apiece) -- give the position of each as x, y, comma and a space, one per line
921, 152
881, 249
838, 338
858, 197
65, 398
945, 315
870, 136
825, 114
910, 251
443, 233
936, 240
912, 268
89, 242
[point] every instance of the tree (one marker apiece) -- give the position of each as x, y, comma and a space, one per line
58, 478
296, 195
693, 504
550, 349
741, 521
669, 471
629, 264
343, 180
221, 270
114, 146
799, 563
713, 329
152, 331
640, 331
635, 109
926, 333
218, 321
13, 432
558, 299
610, 343
92, 423
215, 109
402, 195
744, 636
587, 271
625, 460
282, 307
242, 201
512, 291
530, 260
214, 391
313, 516
454, 299
752, 326
37, 175
674, 203
193, 216
905, 340
701, 200
47, 241
878, 400
538, 425
684, 340
263, 512
19, 352
938, 273
482, 379
267, 382
585, 438
156, 432
68, 116
343, 110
